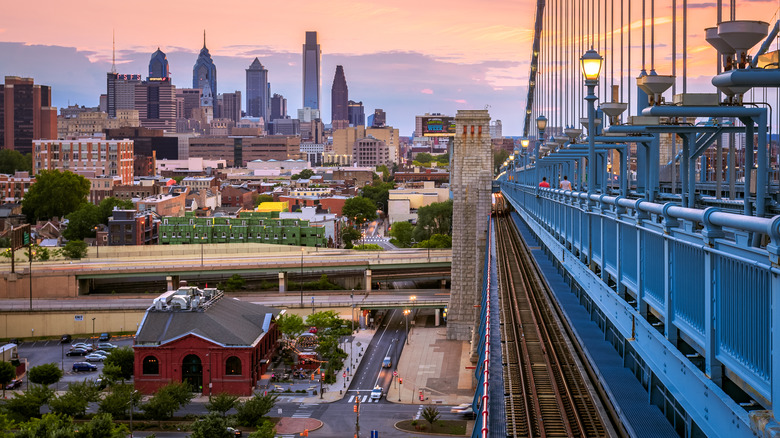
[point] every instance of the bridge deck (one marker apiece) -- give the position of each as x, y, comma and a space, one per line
640, 417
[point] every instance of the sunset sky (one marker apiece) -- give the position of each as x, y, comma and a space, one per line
407, 57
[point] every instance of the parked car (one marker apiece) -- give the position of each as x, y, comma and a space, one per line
65, 339
106, 346
13, 384
77, 352
234, 432
104, 337
83, 345
84, 366
92, 357
103, 353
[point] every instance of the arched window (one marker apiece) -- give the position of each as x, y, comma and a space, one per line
151, 365
233, 366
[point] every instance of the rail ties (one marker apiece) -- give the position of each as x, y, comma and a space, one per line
546, 395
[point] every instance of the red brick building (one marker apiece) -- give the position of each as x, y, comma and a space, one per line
223, 345
233, 196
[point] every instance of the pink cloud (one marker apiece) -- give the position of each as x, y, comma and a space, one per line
426, 91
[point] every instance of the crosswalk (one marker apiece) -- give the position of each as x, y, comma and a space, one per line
363, 399
304, 411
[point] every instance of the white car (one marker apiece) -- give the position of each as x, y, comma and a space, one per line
106, 346
92, 357
376, 393
459, 408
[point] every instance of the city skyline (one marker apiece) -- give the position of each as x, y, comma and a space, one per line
460, 60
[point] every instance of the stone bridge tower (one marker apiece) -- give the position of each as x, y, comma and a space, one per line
471, 179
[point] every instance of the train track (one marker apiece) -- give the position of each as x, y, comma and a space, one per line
545, 392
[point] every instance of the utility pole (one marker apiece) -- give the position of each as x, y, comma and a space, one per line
357, 417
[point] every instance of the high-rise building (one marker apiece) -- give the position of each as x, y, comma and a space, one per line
26, 114
207, 104
89, 155
278, 107
380, 118
308, 114
370, 152
230, 106
187, 99
204, 72
339, 98
158, 66
311, 71
356, 114
120, 92
257, 103
155, 101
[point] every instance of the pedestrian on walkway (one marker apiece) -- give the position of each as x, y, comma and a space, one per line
566, 184
544, 182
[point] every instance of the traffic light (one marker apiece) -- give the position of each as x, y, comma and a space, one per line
400, 381
305, 432
354, 408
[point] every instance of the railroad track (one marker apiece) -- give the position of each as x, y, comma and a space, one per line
545, 392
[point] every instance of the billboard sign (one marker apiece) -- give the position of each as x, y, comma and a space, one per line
438, 126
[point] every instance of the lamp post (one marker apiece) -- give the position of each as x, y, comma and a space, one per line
97, 242
93, 331
406, 318
132, 407
301, 279
590, 63
352, 318
524, 153
541, 125
31, 254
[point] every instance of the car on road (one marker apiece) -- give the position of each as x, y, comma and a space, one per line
77, 352
387, 362
13, 384
65, 339
234, 432
459, 408
468, 412
106, 346
84, 366
376, 393
93, 357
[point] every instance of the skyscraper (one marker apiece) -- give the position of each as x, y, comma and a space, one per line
26, 114
356, 114
339, 97
205, 71
257, 103
278, 107
380, 118
158, 67
155, 101
311, 71
231, 106
120, 92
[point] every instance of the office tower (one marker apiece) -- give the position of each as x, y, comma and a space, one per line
189, 99
120, 91
257, 90
158, 67
496, 129
311, 71
308, 114
356, 114
204, 72
26, 114
91, 155
231, 106
278, 107
155, 101
380, 118
339, 97
370, 152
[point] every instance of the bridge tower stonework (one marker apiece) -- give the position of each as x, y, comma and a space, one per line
472, 173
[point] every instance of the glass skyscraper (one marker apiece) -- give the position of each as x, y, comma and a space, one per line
158, 66
311, 71
257, 102
205, 71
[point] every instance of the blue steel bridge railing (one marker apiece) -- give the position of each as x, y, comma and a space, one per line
482, 371
694, 269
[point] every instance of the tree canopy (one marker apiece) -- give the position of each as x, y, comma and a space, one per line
55, 194
359, 209
12, 161
378, 192
402, 234
75, 249
122, 358
304, 174
291, 326
499, 156
433, 219
348, 235
45, 374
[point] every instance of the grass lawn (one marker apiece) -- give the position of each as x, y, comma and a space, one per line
447, 427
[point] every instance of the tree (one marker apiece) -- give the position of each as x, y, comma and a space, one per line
326, 319
212, 426
291, 326
6, 426
499, 156
82, 222
117, 402
432, 219
55, 193
359, 209
75, 249
167, 401
103, 426
402, 234
385, 172
112, 372
431, 414
69, 403
379, 193
50, 425
253, 410
235, 282
222, 403
263, 198
348, 235
28, 404
7, 373
12, 161
124, 358
265, 429
107, 205
45, 374
436, 241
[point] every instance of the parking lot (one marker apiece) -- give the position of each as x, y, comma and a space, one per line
52, 351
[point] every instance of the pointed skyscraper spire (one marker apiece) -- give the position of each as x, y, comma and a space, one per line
113, 51
204, 38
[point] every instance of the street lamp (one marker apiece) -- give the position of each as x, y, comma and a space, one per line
590, 63
93, 331
541, 125
132, 407
406, 318
352, 335
301, 279
97, 242
31, 255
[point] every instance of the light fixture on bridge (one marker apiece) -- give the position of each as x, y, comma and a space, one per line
524, 142
590, 63
541, 123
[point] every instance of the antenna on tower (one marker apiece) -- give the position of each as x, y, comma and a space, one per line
204, 37
113, 51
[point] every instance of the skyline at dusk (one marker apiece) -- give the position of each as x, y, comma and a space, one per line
408, 58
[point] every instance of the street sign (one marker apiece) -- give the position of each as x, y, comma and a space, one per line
395, 373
